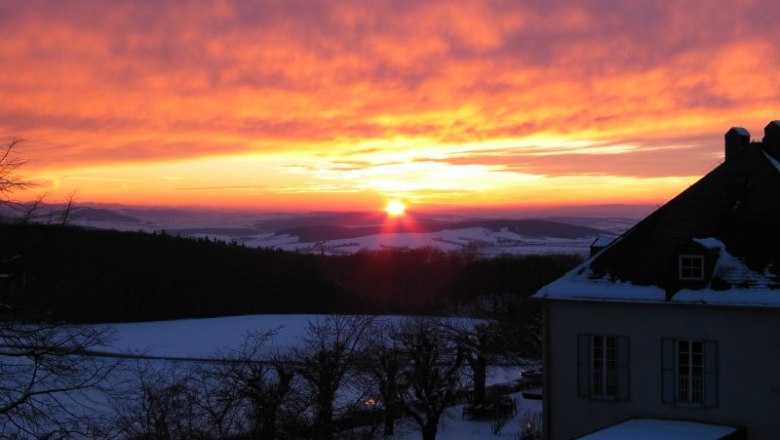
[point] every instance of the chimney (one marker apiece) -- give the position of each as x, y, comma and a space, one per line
737, 138
772, 138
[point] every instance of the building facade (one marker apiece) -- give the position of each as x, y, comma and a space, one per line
679, 318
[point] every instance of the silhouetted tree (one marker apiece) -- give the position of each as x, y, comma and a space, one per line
433, 375
262, 379
382, 363
164, 405
327, 354
476, 340
45, 369
9, 163
44, 374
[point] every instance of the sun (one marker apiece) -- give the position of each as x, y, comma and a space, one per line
395, 208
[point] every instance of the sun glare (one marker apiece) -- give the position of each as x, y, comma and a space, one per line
395, 208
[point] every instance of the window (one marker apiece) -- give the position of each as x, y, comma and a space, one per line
690, 372
691, 267
690, 366
602, 367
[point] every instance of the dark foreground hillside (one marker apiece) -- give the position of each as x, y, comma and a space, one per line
87, 275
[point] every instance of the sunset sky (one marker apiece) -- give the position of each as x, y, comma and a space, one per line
346, 104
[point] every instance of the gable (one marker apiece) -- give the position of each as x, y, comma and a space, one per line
724, 229
737, 204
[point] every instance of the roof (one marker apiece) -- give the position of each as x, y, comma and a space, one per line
731, 216
740, 131
602, 241
652, 429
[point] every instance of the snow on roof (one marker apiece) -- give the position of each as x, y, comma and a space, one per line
773, 161
580, 284
652, 429
711, 243
748, 288
603, 241
733, 271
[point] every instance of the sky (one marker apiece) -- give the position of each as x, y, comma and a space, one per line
346, 104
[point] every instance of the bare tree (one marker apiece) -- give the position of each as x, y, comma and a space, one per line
9, 163
260, 380
433, 375
480, 346
327, 355
162, 406
217, 400
46, 380
382, 362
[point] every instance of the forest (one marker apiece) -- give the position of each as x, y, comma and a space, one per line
88, 276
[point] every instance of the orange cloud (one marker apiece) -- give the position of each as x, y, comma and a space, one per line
647, 90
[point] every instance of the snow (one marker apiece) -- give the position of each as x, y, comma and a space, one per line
212, 337
711, 243
773, 161
747, 287
454, 427
208, 338
603, 241
486, 241
733, 271
652, 429
203, 338
580, 284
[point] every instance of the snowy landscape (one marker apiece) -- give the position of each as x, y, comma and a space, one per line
180, 344
346, 233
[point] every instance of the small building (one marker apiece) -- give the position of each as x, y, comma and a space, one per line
678, 320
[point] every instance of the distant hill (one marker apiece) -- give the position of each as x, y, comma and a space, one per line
530, 228
85, 213
341, 233
321, 220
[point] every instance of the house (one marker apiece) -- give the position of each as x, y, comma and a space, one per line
676, 324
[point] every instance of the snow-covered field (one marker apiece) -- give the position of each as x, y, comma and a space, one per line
484, 241
214, 337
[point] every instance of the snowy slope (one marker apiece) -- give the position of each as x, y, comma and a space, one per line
206, 338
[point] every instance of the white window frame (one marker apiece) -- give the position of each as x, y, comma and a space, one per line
603, 382
680, 384
689, 372
686, 272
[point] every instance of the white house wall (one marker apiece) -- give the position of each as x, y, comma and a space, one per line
748, 341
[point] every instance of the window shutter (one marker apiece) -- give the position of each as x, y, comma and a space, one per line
583, 365
623, 384
710, 397
667, 370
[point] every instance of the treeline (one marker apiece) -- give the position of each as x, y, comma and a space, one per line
83, 275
